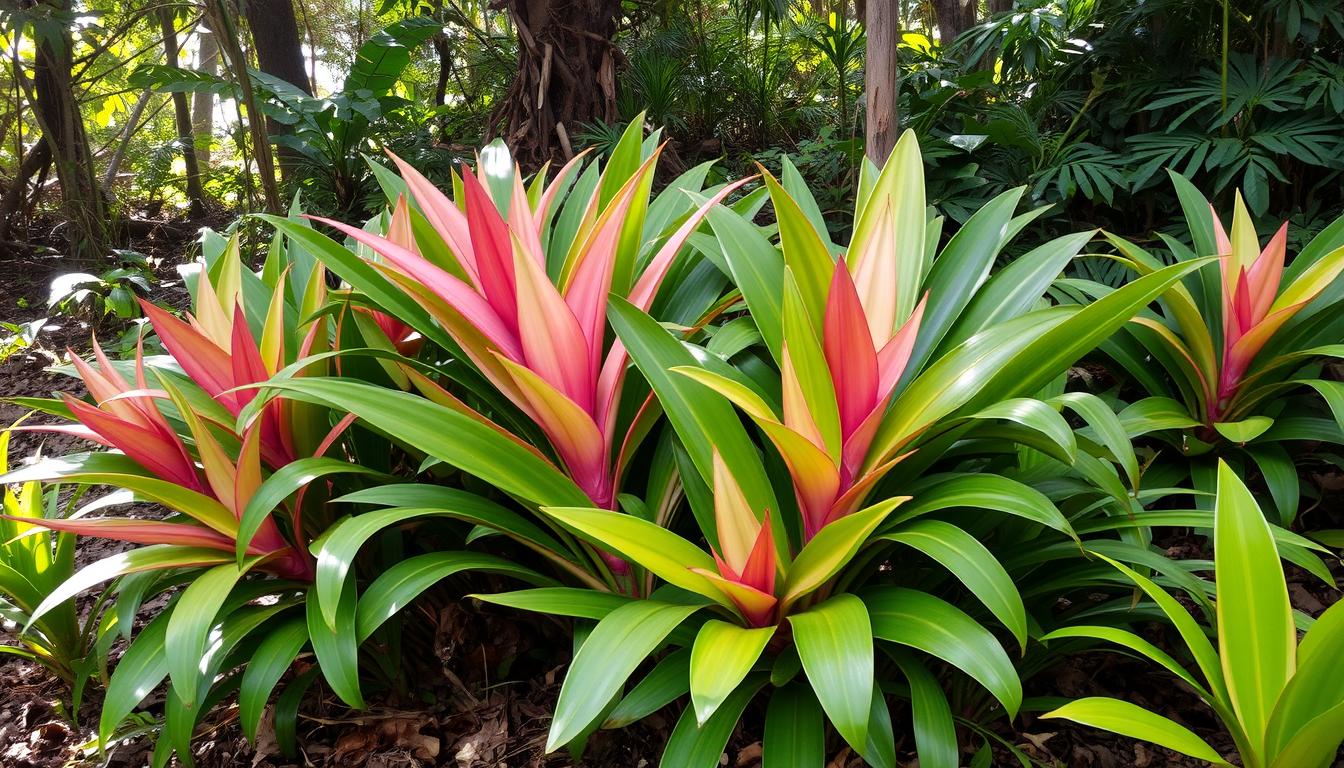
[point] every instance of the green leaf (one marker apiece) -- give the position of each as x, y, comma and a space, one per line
757, 270
443, 433
189, 627
794, 733
341, 543
661, 551
141, 668
265, 668
924, 622
398, 586
1244, 431
278, 487
692, 746
1136, 722
973, 564
337, 647
831, 549
1195, 638
722, 656
1256, 639
1017, 287
935, 731
668, 681
619, 643
154, 557
559, 601
961, 268
835, 642
1035, 414
1108, 428
981, 492
1126, 639
704, 421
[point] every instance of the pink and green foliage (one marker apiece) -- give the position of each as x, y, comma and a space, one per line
1236, 339
199, 464
540, 342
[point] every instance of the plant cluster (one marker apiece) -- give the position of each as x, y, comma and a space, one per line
851, 485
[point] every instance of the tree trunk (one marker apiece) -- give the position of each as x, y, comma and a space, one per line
222, 20
58, 116
881, 81
566, 75
203, 102
276, 41
182, 117
1000, 6
954, 17
37, 159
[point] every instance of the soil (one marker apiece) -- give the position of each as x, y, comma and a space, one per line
458, 715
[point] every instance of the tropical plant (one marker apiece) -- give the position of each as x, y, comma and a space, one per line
777, 578
33, 564
1232, 340
237, 472
113, 292
1280, 699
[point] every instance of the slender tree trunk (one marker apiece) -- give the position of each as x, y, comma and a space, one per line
566, 75
999, 6
203, 102
881, 81
182, 117
222, 20
127, 132
58, 116
37, 159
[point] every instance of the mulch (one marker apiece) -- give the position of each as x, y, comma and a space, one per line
460, 714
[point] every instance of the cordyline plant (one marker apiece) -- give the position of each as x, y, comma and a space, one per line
1281, 700
1232, 340
237, 474
863, 380
522, 302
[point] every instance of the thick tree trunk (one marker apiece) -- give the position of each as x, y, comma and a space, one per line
203, 102
954, 17
37, 159
61, 123
279, 50
566, 75
881, 81
276, 41
182, 118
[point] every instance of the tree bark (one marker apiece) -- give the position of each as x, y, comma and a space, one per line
954, 17
566, 75
37, 159
999, 6
881, 81
59, 118
203, 102
276, 41
222, 20
182, 118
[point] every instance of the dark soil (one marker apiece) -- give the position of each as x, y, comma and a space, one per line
459, 714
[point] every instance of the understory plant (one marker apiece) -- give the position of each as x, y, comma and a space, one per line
1280, 699
1231, 341
844, 484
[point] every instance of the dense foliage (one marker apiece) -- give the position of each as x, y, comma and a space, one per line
822, 449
